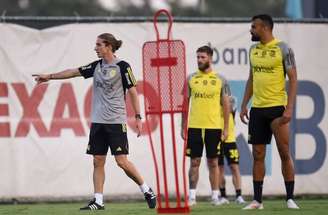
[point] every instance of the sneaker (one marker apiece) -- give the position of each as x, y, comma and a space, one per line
192, 202
240, 200
216, 202
150, 198
93, 206
254, 205
224, 201
291, 204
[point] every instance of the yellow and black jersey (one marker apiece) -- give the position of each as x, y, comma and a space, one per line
205, 91
231, 132
269, 64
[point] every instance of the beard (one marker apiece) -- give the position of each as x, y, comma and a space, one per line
255, 38
203, 66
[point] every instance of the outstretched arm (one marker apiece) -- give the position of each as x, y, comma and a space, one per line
68, 73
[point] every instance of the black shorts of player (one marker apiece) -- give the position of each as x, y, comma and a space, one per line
259, 129
103, 136
230, 152
198, 137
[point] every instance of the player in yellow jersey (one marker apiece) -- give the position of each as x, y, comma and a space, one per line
270, 61
229, 150
208, 92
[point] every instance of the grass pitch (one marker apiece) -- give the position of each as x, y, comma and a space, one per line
271, 207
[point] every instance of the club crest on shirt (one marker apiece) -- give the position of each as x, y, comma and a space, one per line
112, 73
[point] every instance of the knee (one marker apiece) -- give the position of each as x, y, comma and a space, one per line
99, 162
122, 163
212, 163
234, 169
195, 163
258, 156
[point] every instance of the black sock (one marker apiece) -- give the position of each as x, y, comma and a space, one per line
289, 189
238, 193
223, 192
258, 187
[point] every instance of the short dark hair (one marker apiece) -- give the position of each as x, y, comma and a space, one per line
266, 19
206, 49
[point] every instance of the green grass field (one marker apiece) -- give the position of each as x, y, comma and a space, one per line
312, 206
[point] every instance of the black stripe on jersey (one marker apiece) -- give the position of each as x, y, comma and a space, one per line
128, 79
88, 70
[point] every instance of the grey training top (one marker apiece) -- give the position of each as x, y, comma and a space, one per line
110, 82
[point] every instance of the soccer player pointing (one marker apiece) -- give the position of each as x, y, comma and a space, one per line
112, 77
270, 61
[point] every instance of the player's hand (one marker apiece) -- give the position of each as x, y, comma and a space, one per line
183, 136
139, 127
224, 135
40, 78
243, 114
286, 116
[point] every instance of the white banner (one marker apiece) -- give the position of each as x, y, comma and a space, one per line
44, 129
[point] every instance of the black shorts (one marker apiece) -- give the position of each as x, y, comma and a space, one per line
259, 129
103, 136
198, 137
230, 152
